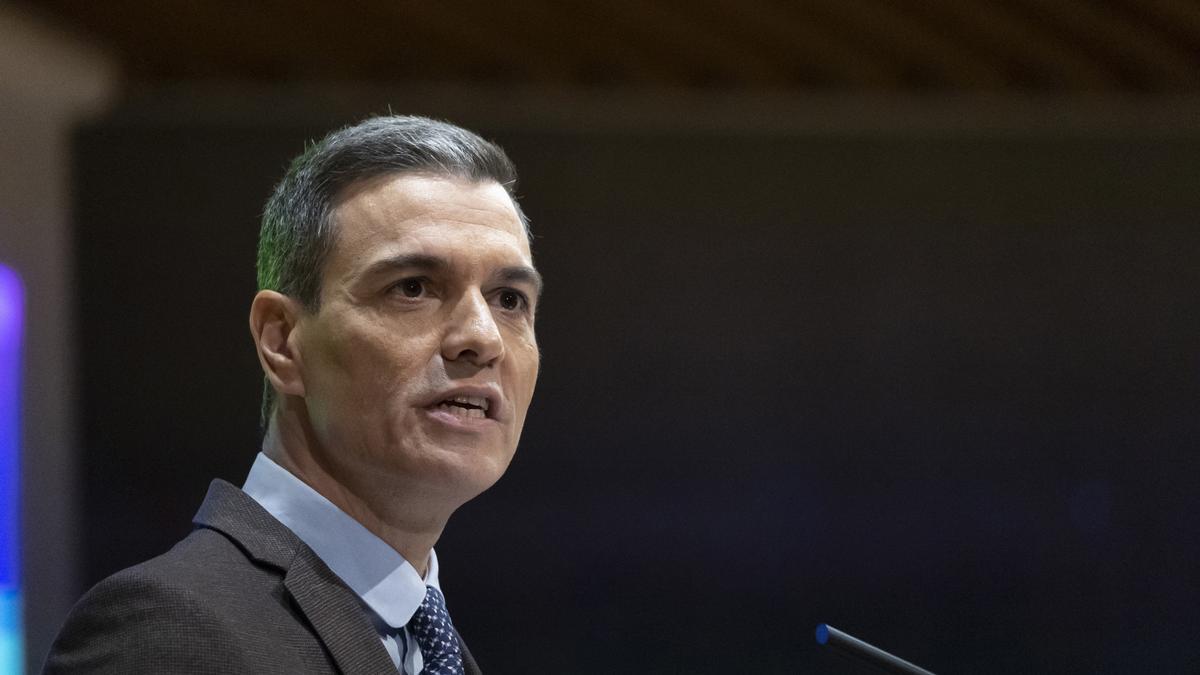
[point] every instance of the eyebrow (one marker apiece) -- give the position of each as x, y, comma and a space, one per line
522, 274
417, 261
431, 263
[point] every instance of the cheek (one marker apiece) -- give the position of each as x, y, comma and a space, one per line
526, 362
362, 368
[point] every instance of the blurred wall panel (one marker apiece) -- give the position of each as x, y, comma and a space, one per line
924, 371
49, 80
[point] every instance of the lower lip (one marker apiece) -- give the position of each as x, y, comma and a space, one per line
459, 423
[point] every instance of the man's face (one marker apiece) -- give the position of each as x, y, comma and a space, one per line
419, 366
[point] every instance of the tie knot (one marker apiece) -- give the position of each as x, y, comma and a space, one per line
435, 635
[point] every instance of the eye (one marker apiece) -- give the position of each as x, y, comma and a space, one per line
411, 288
512, 300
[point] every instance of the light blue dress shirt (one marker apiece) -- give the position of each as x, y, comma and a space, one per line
390, 588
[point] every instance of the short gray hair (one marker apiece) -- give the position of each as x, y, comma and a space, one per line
298, 228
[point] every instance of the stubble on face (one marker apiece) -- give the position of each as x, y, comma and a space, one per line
428, 289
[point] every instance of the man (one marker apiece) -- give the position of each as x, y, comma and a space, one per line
395, 327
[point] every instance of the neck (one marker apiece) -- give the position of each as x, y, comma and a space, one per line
386, 508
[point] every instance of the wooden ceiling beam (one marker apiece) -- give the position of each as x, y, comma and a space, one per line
697, 50
993, 27
1130, 46
460, 39
1178, 19
797, 43
1048, 45
577, 44
945, 59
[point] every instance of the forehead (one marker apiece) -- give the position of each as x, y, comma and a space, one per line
415, 213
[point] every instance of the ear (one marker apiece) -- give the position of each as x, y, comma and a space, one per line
273, 317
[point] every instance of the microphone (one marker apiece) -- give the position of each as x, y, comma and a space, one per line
848, 645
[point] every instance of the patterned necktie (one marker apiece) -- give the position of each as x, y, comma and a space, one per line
435, 636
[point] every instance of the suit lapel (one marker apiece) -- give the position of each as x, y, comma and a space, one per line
328, 604
337, 616
235, 514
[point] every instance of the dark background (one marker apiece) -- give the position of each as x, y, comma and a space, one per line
880, 314
937, 389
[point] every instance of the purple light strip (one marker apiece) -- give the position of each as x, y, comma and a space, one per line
11, 320
11, 328
11, 300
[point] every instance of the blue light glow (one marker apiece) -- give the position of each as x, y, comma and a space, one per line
11, 327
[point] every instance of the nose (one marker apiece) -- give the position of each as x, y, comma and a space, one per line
472, 334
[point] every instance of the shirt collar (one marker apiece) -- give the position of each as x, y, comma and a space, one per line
380, 576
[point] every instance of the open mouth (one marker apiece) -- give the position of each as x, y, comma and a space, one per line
466, 407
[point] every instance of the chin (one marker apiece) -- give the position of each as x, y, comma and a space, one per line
483, 475
467, 472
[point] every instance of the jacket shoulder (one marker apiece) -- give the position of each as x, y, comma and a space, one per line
142, 620
202, 607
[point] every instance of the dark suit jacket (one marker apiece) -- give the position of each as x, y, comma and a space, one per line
241, 594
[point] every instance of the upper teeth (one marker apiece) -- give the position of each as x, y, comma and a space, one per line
477, 401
